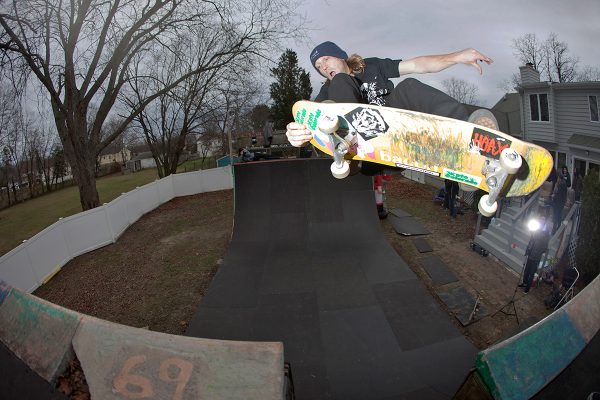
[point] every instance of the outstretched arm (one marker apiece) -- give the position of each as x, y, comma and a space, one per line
437, 63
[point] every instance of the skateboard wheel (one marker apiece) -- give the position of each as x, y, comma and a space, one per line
340, 172
467, 188
510, 160
328, 124
485, 209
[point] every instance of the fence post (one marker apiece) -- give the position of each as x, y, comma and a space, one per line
38, 281
110, 229
64, 235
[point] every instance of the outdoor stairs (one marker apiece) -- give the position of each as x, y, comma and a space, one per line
497, 241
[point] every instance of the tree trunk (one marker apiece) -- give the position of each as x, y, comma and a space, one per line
85, 177
80, 153
83, 169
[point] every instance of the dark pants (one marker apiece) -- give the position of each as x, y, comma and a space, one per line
557, 210
410, 94
529, 272
450, 197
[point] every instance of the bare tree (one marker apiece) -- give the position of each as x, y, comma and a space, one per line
588, 74
258, 116
550, 57
210, 139
510, 85
81, 51
561, 67
461, 90
529, 50
12, 156
167, 121
43, 158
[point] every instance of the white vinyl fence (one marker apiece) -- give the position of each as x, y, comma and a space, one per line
36, 260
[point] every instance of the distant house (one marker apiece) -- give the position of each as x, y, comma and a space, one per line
114, 154
563, 118
141, 158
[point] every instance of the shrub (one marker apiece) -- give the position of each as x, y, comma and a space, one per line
588, 250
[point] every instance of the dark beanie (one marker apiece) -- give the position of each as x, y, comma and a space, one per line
327, 49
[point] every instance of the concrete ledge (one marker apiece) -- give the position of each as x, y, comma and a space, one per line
38, 332
521, 366
123, 362
584, 310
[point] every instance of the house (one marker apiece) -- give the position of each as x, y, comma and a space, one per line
114, 153
141, 158
563, 118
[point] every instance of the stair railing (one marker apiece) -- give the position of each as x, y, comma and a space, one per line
569, 227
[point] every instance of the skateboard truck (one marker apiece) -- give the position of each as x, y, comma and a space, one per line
496, 172
340, 168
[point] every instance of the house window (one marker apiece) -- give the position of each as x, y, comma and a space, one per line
539, 107
561, 160
594, 108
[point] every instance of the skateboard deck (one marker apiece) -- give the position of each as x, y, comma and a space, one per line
439, 146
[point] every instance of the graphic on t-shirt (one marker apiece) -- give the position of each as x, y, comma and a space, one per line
373, 94
368, 123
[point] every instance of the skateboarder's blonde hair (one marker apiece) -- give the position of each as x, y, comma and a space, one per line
356, 63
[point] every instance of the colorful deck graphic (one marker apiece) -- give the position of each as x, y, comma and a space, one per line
434, 145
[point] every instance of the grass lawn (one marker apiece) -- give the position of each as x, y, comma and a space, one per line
194, 165
26, 219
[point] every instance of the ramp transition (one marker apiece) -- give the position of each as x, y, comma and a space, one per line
308, 265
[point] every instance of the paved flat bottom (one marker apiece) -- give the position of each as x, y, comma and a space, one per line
422, 245
437, 270
308, 265
462, 304
408, 226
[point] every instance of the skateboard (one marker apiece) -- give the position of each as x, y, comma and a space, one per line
475, 156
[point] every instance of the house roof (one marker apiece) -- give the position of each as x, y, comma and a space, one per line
139, 148
561, 86
584, 142
111, 149
142, 156
508, 103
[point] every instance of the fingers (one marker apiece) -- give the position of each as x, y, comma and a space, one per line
477, 58
297, 134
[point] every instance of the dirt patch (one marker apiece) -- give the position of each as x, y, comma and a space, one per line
157, 273
450, 239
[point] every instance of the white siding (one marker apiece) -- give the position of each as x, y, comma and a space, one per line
573, 115
538, 130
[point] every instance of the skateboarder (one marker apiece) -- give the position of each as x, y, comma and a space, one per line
367, 80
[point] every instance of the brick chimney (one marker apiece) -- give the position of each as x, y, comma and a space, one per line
529, 74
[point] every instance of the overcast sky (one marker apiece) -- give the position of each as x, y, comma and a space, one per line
406, 29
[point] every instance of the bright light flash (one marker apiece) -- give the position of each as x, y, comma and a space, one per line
533, 225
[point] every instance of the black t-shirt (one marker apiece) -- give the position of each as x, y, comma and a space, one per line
374, 81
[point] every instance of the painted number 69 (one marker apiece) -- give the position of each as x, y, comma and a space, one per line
133, 386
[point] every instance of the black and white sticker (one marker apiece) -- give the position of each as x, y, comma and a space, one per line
367, 122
